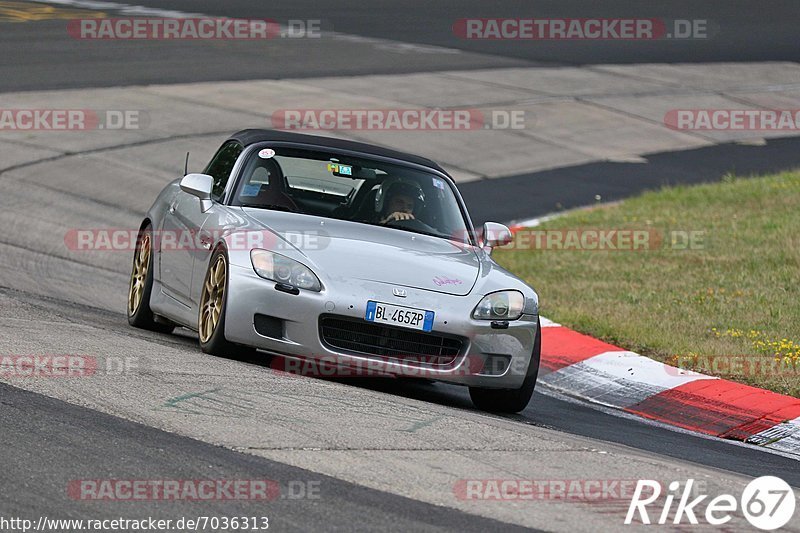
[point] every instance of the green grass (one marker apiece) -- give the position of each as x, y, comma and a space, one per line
729, 308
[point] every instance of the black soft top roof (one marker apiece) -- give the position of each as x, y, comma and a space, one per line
252, 136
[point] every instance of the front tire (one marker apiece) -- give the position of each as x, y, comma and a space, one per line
511, 400
141, 285
213, 307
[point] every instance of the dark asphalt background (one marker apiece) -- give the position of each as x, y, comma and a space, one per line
42, 55
48, 443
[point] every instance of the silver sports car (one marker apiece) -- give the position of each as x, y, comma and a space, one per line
323, 250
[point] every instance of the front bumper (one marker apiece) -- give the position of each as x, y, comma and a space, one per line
476, 364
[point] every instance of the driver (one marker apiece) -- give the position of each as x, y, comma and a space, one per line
400, 200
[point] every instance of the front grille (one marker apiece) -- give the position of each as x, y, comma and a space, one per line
366, 338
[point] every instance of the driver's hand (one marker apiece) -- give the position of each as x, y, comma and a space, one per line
396, 216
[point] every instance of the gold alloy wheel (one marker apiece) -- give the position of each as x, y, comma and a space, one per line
141, 265
212, 299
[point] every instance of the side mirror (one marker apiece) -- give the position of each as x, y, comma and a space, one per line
199, 185
494, 235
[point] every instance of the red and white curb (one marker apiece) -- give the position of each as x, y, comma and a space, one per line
583, 367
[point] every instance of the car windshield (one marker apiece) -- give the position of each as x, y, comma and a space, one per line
353, 189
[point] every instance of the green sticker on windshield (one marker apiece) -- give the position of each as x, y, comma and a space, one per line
343, 170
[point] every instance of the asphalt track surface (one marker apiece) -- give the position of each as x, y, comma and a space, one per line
71, 436
47, 441
576, 186
42, 55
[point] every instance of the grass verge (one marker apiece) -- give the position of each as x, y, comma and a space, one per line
713, 286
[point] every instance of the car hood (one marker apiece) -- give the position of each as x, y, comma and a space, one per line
342, 250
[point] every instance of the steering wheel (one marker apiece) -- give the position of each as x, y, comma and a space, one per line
411, 224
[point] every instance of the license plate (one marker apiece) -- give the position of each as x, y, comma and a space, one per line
396, 315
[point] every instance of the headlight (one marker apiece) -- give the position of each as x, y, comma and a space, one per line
281, 269
504, 305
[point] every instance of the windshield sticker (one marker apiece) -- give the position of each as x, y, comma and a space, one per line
266, 153
438, 183
336, 168
251, 189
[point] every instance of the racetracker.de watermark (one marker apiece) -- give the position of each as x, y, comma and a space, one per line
399, 119
72, 119
407, 365
733, 119
569, 490
763, 366
64, 366
122, 490
127, 240
47, 366
606, 239
192, 29
580, 29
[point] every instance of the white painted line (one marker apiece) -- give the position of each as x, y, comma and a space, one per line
613, 411
533, 222
619, 379
547, 323
392, 46
790, 443
638, 368
124, 9
783, 437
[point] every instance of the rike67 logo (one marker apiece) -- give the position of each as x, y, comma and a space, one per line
768, 503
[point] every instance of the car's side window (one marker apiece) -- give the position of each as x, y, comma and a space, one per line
221, 166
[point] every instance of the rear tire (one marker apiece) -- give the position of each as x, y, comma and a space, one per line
511, 400
141, 285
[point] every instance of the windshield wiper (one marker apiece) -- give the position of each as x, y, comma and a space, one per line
420, 232
273, 207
